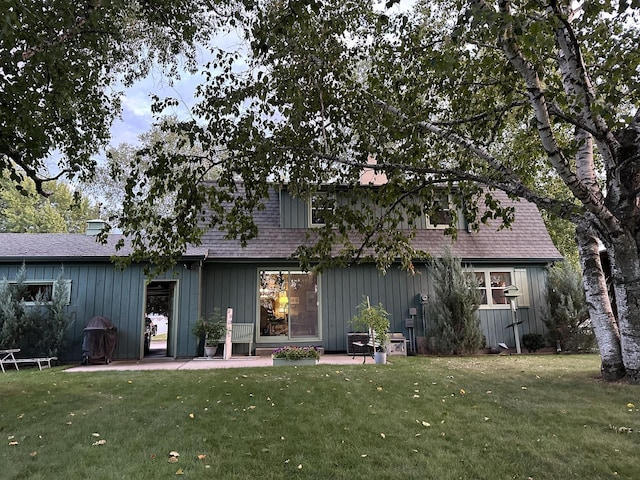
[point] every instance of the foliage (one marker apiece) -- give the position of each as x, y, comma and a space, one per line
533, 341
211, 329
465, 97
64, 64
39, 328
373, 319
456, 326
125, 169
296, 353
567, 319
261, 411
24, 211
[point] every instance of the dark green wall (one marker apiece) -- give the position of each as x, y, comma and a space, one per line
99, 288
341, 290
294, 213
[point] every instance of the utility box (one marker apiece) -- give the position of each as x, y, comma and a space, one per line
397, 344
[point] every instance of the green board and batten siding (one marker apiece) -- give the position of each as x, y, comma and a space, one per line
100, 289
341, 290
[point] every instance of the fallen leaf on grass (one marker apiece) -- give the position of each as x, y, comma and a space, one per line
202, 456
179, 472
629, 405
33, 454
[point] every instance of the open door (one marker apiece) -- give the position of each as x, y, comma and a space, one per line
158, 322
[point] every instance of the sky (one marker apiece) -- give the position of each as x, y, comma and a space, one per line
136, 117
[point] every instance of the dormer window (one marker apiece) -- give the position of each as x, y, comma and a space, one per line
440, 215
320, 206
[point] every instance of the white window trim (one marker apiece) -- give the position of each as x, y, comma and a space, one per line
486, 272
441, 226
45, 282
310, 208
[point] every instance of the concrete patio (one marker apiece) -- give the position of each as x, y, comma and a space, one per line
206, 363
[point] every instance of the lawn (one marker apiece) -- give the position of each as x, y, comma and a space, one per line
490, 417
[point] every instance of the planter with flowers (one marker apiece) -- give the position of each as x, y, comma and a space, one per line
291, 356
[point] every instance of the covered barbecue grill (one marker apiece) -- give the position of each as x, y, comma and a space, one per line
99, 341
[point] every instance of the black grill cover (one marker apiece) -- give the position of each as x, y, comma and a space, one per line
99, 342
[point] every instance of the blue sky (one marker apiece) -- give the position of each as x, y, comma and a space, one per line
136, 117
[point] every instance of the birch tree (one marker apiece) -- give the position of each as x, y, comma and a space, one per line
458, 97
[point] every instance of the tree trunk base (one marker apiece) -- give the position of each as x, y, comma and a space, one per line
612, 372
633, 376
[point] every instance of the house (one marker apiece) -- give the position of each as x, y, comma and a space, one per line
265, 287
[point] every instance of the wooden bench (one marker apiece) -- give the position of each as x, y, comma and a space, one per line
241, 333
8, 357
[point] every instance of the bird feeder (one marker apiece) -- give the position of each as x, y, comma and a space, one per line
511, 293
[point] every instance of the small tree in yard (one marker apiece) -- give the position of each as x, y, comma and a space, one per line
456, 298
568, 315
38, 327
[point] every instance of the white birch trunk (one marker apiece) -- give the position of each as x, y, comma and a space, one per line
599, 304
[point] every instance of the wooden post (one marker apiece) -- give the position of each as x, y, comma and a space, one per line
227, 341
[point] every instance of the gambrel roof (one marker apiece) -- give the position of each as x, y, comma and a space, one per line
526, 240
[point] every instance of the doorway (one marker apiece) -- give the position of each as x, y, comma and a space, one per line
159, 319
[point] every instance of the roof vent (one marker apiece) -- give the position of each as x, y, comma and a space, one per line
94, 227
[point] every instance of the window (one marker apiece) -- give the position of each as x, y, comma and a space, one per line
492, 284
440, 215
41, 291
320, 205
288, 306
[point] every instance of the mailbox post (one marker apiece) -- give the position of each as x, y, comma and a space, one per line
512, 293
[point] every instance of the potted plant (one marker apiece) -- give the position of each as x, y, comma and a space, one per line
375, 320
211, 330
290, 355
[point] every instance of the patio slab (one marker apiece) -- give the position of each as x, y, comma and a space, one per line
206, 363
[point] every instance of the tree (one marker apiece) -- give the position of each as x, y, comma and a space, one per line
462, 98
456, 300
125, 168
38, 328
568, 314
25, 211
62, 63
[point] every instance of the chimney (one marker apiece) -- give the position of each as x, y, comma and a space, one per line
370, 177
94, 227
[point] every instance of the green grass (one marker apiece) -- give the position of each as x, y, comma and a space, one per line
544, 417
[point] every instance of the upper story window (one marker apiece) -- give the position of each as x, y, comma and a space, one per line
441, 214
320, 204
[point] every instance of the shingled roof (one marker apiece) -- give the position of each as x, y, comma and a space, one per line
526, 241
66, 246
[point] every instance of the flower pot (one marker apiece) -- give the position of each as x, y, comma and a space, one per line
380, 358
209, 351
291, 363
